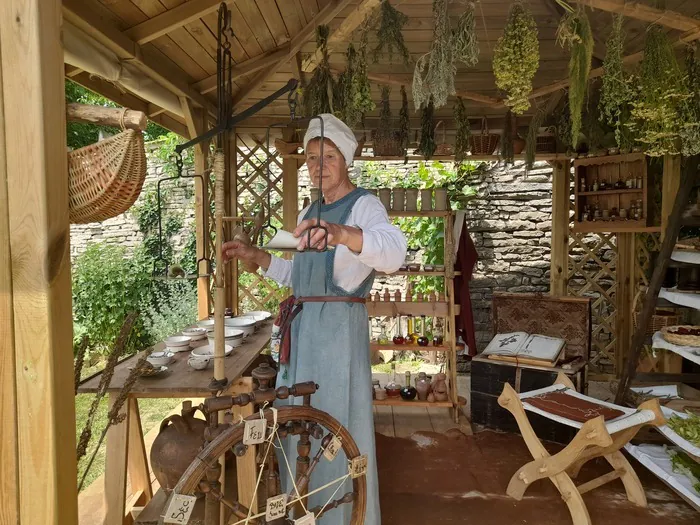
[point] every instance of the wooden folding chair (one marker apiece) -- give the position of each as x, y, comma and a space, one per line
596, 437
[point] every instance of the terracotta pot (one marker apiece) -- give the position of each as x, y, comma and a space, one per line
399, 199
385, 197
440, 199
176, 446
426, 200
440, 387
411, 199
422, 386
518, 145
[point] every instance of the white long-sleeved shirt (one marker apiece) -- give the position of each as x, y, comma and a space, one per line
383, 248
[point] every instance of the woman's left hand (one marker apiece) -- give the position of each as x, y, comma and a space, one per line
337, 234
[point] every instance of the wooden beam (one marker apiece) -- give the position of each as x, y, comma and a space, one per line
298, 70
559, 262
246, 67
171, 19
634, 58
342, 34
116, 117
645, 13
35, 238
325, 15
78, 13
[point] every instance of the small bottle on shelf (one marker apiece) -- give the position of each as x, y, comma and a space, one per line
438, 337
387, 295
639, 182
583, 184
409, 292
412, 334
383, 338
596, 186
419, 297
422, 339
397, 295
398, 338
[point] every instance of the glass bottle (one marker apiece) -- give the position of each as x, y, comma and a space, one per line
398, 338
408, 392
393, 389
596, 186
411, 334
583, 184
422, 340
438, 336
383, 337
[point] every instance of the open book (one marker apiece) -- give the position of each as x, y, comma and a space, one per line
526, 348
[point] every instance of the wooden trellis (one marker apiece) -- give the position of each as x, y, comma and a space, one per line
253, 186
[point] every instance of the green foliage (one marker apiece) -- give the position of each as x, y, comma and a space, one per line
531, 139
171, 306
464, 131
690, 134
516, 58
389, 35
107, 285
353, 93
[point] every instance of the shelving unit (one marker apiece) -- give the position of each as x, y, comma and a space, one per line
447, 310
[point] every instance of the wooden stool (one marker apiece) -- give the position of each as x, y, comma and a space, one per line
595, 438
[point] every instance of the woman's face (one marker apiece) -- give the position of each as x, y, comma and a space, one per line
334, 170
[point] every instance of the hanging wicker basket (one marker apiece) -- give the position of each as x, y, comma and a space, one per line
105, 179
485, 143
387, 146
443, 148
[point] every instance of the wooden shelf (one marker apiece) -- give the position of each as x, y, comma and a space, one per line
609, 192
398, 402
391, 346
609, 159
419, 213
392, 308
615, 226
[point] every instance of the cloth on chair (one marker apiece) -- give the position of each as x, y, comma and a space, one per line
572, 407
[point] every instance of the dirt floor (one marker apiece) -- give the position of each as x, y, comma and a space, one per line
437, 478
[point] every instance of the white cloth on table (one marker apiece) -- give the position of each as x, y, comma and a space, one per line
383, 248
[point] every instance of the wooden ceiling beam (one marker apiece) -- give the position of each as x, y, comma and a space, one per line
246, 67
643, 12
342, 34
78, 13
172, 19
325, 15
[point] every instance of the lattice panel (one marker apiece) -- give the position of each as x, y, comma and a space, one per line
645, 245
258, 177
591, 273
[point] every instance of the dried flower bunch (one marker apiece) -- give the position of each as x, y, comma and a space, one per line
427, 145
404, 122
353, 93
531, 139
690, 134
464, 40
464, 131
391, 22
318, 94
516, 57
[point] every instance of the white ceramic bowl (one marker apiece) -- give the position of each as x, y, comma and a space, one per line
232, 336
158, 359
198, 362
195, 333
177, 343
206, 323
247, 324
208, 351
259, 314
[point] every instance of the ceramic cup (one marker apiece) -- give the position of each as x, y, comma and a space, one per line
440, 199
198, 363
411, 199
426, 200
399, 199
385, 197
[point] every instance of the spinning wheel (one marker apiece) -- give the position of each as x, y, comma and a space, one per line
304, 421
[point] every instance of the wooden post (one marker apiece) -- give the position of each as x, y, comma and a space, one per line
625, 294
115, 117
231, 203
561, 194
38, 436
669, 188
690, 173
290, 186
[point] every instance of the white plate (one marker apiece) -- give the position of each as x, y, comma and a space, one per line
260, 313
209, 350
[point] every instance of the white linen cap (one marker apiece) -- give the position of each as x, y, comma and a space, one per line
335, 130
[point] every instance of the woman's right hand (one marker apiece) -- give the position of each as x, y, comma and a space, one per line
246, 253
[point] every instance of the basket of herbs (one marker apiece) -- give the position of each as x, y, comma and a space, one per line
386, 139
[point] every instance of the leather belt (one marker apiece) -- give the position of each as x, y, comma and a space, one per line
330, 299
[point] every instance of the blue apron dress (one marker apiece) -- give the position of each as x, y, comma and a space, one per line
330, 345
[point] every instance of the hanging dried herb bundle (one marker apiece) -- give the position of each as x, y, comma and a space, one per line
385, 127
507, 138
616, 91
427, 145
574, 31
404, 122
657, 114
318, 94
562, 127
464, 40
391, 22
464, 131
690, 134
352, 96
531, 139
516, 58
439, 81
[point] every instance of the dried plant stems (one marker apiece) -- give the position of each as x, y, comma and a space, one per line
427, 144
531, 140
507, 139
404, 122
318, 93
80, 360
464, 40
463, 131
391, 22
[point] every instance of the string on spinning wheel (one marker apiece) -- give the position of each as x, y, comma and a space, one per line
291, 474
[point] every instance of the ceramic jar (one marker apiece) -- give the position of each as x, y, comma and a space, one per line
440, 387
399, 199
440, 199
422, 386
426, 200
385, 197
411, 199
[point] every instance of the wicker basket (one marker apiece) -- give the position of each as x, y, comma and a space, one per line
546, 144
485, 143
443, 148
106, 178
387, 147
678, 339
659, 320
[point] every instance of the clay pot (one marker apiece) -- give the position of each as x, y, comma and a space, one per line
411, 199
440, 387
431, 398
426, 200
422, 386
518, 145
440, 199
176, 446
385, 197
399, 200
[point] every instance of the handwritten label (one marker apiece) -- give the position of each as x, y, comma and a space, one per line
358, 466
309, 519
276, 508
332, 449
180, 509
254, 432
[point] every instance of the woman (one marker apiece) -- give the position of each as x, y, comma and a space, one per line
330, 335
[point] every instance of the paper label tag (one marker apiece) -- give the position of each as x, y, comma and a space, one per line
276, 508
332, 449
254, 432
358, 466
309, 519
180, 509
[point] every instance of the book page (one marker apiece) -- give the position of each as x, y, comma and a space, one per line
541, 347
506, 344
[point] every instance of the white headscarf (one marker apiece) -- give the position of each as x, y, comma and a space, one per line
335, 130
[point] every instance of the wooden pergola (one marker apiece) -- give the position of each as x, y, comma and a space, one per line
169, 46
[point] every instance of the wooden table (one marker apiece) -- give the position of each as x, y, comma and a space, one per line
125, 450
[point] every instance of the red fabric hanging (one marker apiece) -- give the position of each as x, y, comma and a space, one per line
467, 257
